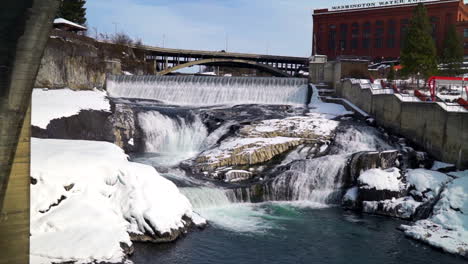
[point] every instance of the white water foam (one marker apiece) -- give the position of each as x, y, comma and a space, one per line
202, 90
214, 205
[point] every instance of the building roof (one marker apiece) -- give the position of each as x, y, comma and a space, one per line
63, 21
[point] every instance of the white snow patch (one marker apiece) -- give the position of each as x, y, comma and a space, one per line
448, 226
52, 104
381, 179
329, 109
427, 183
440, 165
105, 197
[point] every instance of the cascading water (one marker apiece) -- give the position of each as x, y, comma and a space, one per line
202, 90
316, 180
173, 138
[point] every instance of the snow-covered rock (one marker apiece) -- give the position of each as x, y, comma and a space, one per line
245, 151
237, 175
447, 228
379, 184
381, 179
264, 140
313, 126
403, 207
52, 104
88, 198
426, 184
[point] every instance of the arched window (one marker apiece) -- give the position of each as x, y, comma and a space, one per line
391, 34
379, 34
343, 36
332, 37
366, 35
354, 36
404, 23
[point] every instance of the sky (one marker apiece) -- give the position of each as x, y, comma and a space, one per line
278, 27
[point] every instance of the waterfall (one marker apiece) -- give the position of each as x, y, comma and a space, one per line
205, 197
203, 90
359, 138
316, 180
173, 138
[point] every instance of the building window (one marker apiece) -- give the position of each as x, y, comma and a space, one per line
465, 33
366, 35
332, 37
391, 34
343, 36
403, 31
355, 36
434, 22
379, 34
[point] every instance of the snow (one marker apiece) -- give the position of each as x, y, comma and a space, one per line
448, 226
427, 183
88, 197
312, 125
440, 165
459, 174
381, 179
52, 104
329, 109
68, 22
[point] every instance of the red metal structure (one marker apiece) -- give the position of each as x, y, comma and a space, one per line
438, 80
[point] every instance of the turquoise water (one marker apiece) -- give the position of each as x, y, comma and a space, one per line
281, 233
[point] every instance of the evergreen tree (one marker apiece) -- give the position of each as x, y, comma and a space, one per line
419, 55
391, 74
452, 55
73, 10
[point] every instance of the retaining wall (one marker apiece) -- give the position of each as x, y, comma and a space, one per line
441, 129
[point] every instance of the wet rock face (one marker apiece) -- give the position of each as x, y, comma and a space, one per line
363, 161
125, 129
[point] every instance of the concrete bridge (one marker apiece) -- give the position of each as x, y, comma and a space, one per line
170, 60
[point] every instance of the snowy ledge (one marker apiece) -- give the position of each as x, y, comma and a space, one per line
87, 199
53, 104
447, 228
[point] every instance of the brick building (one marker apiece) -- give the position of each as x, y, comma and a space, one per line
377, 29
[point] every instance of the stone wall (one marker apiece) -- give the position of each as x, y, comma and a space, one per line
443, 133
82, 63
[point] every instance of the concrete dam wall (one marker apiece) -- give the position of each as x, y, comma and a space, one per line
439, 128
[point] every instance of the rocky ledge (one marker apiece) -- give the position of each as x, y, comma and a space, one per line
261, 142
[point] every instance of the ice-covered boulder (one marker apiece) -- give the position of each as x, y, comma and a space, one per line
403, 208
379, 184
313, 126
426, 184
87, 199
447, 228
366, 160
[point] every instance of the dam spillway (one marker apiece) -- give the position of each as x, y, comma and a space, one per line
208, 90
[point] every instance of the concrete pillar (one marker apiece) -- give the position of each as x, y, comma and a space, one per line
26, 25
14, 222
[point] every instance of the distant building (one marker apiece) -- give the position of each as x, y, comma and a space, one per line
66, 25
377, 29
